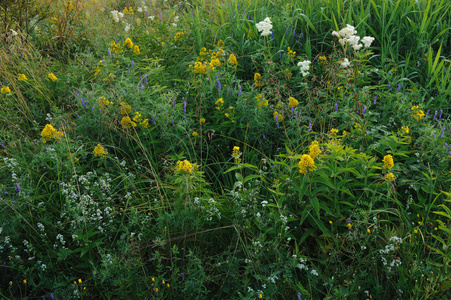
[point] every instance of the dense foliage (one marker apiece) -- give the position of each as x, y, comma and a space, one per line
225, 149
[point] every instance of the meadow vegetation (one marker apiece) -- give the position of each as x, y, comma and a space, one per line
228, 149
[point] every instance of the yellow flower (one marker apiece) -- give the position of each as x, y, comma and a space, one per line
333, 132
279, 116
236, 151
127, 122
199, 67
163, 44
136, 50
79, 281
184, 166
125, 11
257, 80
219, 103
104, 102
314, 149
128, 43
116, 48
202, 121
330, 222
291, 53
390, 177
405, 130
145, 123
388, 162
99, 151
137, 118
49, 133
167, 284
53, 20
214, 63
232, 60
417, 113
345, 133
22, 77
415, 231
153, 279
260, 296
25, 281
292, 102
5, 90
261, 101
323, 60
368, 230
349, 225
305, 163
52, 77
125, 108
178, 35
194, 134
156, 290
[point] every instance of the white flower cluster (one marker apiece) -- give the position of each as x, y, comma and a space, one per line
117, 15
348, 35
264, 27
305, 66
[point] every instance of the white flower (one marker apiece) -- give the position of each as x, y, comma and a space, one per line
127, 27
264, 26
140, 9
345, 63
334, 33
152, 17
14, 33
121, 15
173, 24
305, 65
367, 40
348, 31
176, 19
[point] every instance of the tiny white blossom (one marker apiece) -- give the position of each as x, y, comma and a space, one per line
264, 26
367, 40
345, 63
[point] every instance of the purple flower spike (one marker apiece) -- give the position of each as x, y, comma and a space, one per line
83, 102
435, 115
133, 63
441, 111
443, 132
299, 296
427, 113
389, 86
183, 276
364, 110
264, 137
184, 107
145, 78
109, 53
18, 188
277, 120
375, 98
219, 83
239, 90
399, 87
336, 106
3, 144
309, 127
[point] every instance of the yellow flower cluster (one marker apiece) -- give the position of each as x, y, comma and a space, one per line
104, 102
184, 166
233, 61
136, 50
417, 113
22, 77
306, 163
291, 53
322, 60
5, 90
202, 65
388, 162
49, 133
314, 149
195, 134
258, 80
178, 35
52, 77
128, 43
261, 101
219, 103
292, 102
127, 122
390, 177
333, 132
202, 121
279, 116
116, 48
405, 130
128, 11
236, 151
99, 151
125, 109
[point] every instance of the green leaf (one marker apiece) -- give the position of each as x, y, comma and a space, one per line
315, 203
